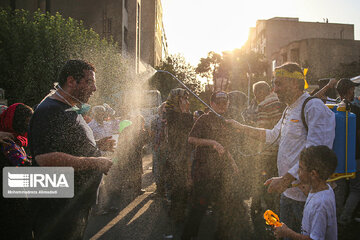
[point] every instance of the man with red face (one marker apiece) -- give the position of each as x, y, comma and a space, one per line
292, 136
59, 136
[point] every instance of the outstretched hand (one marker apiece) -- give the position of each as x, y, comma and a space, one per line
106, 144
6, 138
276, 185
281, 231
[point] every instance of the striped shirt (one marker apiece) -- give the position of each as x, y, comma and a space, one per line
269, 111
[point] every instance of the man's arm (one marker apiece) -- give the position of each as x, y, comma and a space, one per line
217, 146
279, 184
207, 142
321, 93
276, 184
59, 159
253, 132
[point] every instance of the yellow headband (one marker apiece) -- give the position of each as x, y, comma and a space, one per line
293, 75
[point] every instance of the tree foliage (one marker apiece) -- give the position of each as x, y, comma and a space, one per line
33, 48
209, 66
177, 65
234, 65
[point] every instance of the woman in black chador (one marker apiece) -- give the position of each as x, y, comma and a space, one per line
179, 123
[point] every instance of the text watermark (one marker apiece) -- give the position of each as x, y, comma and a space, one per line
38, 182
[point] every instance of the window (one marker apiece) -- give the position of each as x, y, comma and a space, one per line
126, 5
295, 55
109, 23
47, 7
104, 21
13, 4
126, 36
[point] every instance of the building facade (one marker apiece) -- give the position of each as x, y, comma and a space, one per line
153, 38
322, 56
122, 20
269, 36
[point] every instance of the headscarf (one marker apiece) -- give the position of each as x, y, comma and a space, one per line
6, 124
172, 102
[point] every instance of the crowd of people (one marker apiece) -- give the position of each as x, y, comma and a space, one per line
229, 160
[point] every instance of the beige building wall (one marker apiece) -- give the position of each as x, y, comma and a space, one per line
152, 32
274, 33
321, 56
134, 33
164, 44
277, 32
251, 42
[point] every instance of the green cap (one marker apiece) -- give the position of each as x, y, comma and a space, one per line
124, 124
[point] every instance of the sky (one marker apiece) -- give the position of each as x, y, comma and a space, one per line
195, 27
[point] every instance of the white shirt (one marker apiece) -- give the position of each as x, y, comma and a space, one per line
294, 138
319, 217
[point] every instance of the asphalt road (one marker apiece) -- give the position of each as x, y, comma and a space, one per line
141, 216
144, 216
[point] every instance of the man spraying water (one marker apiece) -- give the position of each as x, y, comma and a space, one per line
292, 136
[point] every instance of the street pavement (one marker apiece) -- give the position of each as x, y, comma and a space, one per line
141, 216
144, 216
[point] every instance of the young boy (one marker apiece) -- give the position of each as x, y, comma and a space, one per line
316, 165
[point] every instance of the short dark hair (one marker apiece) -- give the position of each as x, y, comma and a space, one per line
21, 114
321, 159
293, 67
343, 86
74, 68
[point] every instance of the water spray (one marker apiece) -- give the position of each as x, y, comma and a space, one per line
221, 117
196, 96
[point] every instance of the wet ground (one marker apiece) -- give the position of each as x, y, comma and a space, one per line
141, 216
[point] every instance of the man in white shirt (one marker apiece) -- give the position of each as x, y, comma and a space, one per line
292, 137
